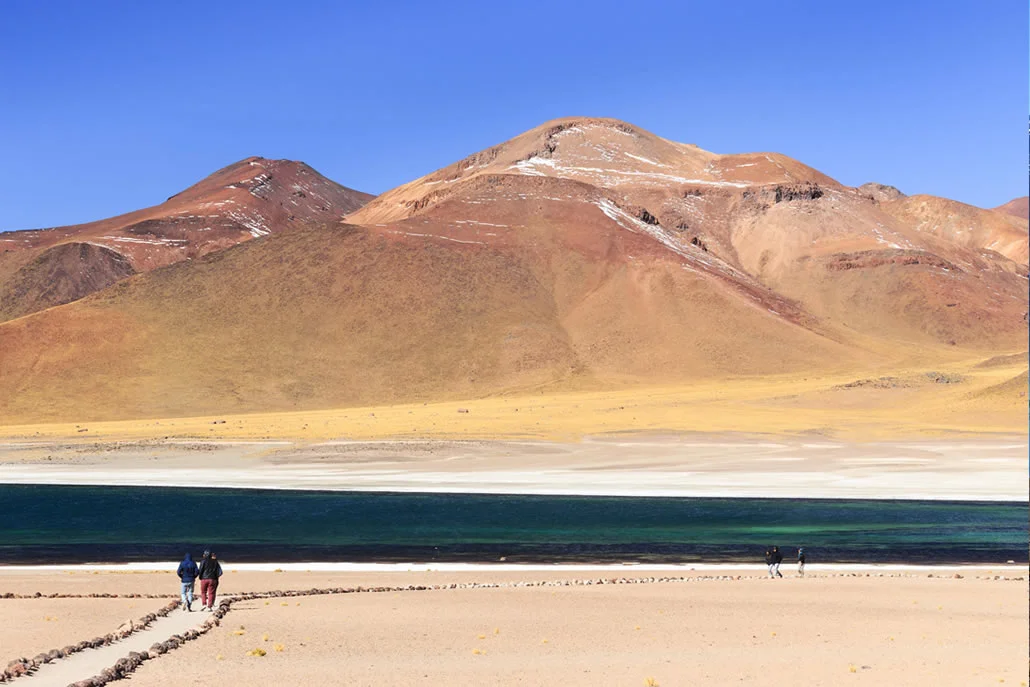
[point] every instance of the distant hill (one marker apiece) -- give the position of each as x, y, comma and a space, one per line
1017, 207
585, 253
251, 198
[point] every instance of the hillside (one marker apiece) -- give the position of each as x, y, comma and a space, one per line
251, 198
762, 223
337, 316
1017, 207
585, 254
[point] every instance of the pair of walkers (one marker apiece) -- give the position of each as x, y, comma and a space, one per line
773, 558
207, 572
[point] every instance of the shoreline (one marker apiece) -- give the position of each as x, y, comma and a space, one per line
638, 466
169, 566
160, 481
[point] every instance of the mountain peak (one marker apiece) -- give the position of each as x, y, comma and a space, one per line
600, 152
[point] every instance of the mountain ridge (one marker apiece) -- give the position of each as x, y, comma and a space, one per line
583, 254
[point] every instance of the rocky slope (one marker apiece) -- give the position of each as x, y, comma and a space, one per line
246, 200
585, 253
867, 260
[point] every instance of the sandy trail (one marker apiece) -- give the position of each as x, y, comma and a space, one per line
87, 663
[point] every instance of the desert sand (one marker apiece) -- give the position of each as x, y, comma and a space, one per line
908, 629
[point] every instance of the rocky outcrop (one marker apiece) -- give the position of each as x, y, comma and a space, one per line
788, 192
878, 258
880, 193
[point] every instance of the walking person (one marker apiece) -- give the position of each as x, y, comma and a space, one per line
777, 558
209, 572
769, 561
801, 562
187, 573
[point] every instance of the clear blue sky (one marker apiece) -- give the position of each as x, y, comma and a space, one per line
106, 107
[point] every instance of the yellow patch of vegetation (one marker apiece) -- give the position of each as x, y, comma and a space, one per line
914, 401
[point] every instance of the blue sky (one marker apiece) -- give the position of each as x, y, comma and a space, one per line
106, 107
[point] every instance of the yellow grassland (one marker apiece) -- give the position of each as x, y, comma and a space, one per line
983, 399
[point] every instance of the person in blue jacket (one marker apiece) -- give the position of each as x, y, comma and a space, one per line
187, 573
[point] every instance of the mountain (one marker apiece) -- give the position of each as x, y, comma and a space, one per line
763, 224
248, 199
584, 254
1017, 207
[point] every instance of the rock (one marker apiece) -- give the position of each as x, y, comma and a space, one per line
880, 192
647, 218
17, 669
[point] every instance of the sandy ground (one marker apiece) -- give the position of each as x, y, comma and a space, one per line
897, 631
31, 626
666, 465
912, 630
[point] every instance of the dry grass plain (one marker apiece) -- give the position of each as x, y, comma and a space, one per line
979, 396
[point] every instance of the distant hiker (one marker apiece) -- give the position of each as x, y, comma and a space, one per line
769, 561
777, 558
209, 572
187, 573
801, 562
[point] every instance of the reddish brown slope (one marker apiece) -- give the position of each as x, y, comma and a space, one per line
1017, 207
764, 225
62, 274
250, 198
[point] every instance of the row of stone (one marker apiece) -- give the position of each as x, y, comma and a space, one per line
131, 662
127, 665
95, 595
24, 666
468, 585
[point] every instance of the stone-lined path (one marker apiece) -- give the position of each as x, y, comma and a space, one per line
89, 662
179, 626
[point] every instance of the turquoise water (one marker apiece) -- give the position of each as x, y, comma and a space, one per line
78, 524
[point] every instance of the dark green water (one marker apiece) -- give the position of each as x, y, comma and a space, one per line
78, 524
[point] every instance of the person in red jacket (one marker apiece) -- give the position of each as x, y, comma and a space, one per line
210, 570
